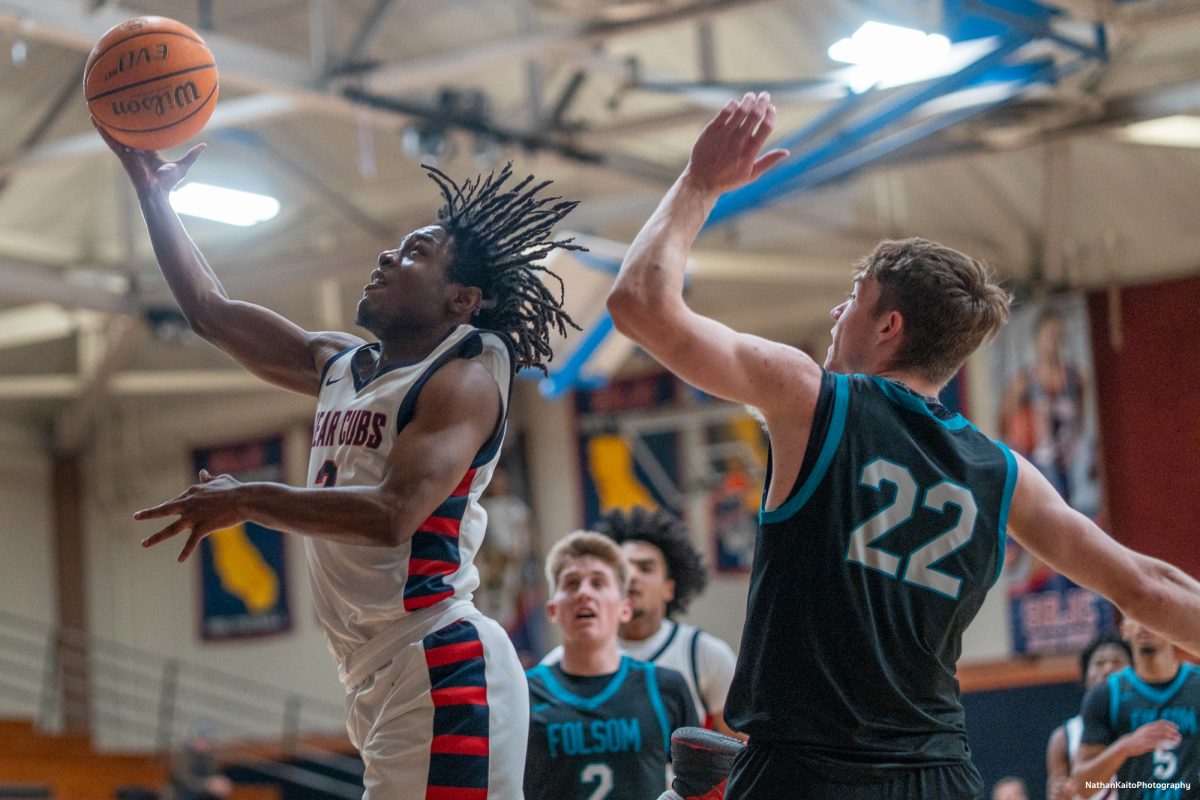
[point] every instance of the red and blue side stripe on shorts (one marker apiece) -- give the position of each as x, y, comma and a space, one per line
435, 553
458, 760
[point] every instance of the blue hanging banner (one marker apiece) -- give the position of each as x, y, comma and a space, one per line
243, 569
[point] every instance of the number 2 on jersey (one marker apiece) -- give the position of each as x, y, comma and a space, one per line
602, 774
919, 570
326, 475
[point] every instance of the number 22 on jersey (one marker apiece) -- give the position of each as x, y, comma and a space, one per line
940, 498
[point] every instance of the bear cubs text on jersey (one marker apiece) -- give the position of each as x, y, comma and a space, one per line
359, 427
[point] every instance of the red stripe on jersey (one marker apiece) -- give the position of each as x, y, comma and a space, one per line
443, 526
715, 793
454, 793
460, 695
464, 486
453, 653
450, 744
421, 566
425, 601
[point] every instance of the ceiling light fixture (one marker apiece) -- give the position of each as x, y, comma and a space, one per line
891, 55
1180, 130
230, 206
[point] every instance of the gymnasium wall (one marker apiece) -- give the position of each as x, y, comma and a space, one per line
142, 455
27, 584
1005, 743
1149, 404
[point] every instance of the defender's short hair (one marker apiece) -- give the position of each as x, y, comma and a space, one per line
948, 300
586, 543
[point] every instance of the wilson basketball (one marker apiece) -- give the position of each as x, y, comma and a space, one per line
151, 82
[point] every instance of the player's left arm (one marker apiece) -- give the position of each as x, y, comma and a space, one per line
457, 412
1159, 595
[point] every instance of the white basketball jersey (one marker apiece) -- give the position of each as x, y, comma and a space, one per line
1074, 728
360, 590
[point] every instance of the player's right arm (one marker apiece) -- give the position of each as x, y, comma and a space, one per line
1102, 752
1058, 766
268, 345
647, 302
1159, 595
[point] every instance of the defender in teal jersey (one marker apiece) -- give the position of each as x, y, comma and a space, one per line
884, 515
1143, 725
600, 723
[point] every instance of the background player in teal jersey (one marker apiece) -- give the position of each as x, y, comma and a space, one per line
1141, 724
600, 722
884, 515
1104, 655
666, 573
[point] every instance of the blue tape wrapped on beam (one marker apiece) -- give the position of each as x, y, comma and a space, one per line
741, 200
568, 376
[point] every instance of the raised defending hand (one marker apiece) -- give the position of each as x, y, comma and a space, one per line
1158, 735
146, 169
208, 506
725, 155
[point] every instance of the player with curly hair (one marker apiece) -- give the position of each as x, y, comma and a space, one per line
407, 433
667, 574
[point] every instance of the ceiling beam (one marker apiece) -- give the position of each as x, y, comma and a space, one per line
374, 23
247, 66
442, 68
743, 267
103, 352
133, 383
228, 114
67, 24
34, 323
34, 282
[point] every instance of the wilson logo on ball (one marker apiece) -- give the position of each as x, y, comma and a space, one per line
159, 104
151, 83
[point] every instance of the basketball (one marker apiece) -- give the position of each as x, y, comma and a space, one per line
151, 82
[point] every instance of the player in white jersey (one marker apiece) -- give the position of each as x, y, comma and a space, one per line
667, 574
407, 432
1106, 654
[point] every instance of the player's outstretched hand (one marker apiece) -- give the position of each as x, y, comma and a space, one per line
1160, 734
146, 168
726, 154
204, 508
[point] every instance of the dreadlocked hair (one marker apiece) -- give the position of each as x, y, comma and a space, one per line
499, 238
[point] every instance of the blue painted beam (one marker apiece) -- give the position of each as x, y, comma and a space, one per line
741, 200
823, 121
568, 376
1039, 27
876, 150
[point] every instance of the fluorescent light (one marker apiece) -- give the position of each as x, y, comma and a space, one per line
1177, 131
891, 54
230, 206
